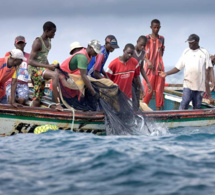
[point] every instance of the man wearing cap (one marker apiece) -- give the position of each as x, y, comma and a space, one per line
197, 70
8, 66
96, 65
77, 64
40, 69
123, 70
17, 86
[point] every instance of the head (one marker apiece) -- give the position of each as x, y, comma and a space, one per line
75, 47
141, 43
193, 41
111, 43
16, 57
94, 48
128, 51
20, 43
155, 26
49, 28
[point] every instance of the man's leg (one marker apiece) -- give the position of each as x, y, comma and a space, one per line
197, 99
159, 89
54, 76
186, 98
148, 96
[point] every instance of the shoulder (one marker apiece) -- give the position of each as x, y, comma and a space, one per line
133, 60
205, 51
161, 37
114, 62
186, 51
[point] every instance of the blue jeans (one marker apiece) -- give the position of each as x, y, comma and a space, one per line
194, 96
3, 100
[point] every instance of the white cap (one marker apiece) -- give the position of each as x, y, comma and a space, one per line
96, 45
17, 54
75, 45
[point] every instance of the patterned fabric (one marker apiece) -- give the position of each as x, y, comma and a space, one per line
22, 91
97, 63
37, 72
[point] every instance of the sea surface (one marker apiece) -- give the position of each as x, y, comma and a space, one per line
178, 161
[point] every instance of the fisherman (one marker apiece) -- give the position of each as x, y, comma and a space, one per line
154, 53
123, 70
17, 86
40, 69
197, 68
77, 64
139, 55
8, 66
96, 65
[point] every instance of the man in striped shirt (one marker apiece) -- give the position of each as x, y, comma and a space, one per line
123, 69
154, 53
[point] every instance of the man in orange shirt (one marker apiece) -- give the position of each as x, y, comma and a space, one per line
8, 66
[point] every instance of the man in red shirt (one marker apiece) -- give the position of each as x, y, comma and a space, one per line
122, 70
154, 53
8, 66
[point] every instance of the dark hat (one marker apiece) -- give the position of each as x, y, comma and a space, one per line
112, 40
192, 38
20, 39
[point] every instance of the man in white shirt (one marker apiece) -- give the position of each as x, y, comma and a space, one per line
197, 69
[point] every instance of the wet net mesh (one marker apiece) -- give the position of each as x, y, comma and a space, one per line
120, 116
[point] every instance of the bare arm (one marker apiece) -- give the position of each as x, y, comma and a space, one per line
36, 47
87, 81
164, 74
97, 74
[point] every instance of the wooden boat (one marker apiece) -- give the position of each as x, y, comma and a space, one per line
26, 119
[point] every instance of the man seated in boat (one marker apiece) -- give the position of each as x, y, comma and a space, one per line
96, 66
197, 73
8, 66
76, 65
40, 69
17, 86
123, 70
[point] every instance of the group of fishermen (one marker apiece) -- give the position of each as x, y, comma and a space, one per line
145, 58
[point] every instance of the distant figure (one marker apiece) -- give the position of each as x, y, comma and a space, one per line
40, 69
197, 70
8, 66
154, 53
139, 55
123, 70
17, 86
96, 65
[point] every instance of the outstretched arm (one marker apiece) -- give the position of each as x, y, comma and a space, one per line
164, 74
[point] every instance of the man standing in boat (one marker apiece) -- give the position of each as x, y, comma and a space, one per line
197, 70
154, 53
137, 87
123, 70
8, 66
17, 87
40, 69
96, 65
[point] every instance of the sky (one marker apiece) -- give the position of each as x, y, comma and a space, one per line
95, 19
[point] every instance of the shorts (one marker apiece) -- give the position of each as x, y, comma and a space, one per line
3, 100
38, 82
22, 91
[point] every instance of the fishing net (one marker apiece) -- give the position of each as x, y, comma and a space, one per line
120, 116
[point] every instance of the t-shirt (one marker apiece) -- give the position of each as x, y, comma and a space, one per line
5, 74
21, 74
78, 61
139, 57
194, 63
154, 52
123, 73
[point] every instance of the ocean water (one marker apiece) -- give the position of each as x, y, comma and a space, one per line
181, 161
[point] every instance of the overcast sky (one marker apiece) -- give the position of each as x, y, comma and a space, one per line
95, 19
